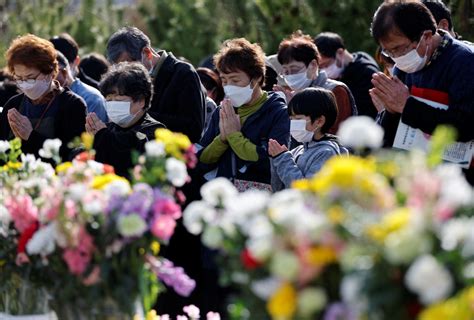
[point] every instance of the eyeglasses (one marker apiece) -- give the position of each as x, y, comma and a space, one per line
292, 71
29, 80
398, 52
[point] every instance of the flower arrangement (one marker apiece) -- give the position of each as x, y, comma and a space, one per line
87, 235
386, 236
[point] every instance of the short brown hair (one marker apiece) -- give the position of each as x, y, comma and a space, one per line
298, 47
240, 54
33, 52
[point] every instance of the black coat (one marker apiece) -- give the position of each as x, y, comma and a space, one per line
179, 99
69, 122
114, 145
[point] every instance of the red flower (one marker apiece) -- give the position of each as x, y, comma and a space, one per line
249, 261
108, 168
25, 236
84, 156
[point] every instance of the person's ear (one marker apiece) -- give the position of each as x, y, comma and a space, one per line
318, 123
147, 53
76, 61
443, 24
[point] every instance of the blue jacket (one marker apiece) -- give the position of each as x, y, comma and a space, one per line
270, 121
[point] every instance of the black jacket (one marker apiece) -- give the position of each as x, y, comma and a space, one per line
358, 77
114, 145
69, 122
179, 99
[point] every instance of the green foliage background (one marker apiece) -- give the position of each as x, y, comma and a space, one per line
195, 28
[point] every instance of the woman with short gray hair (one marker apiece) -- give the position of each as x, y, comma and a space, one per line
127, 88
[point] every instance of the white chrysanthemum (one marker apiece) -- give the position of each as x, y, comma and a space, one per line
43, 241
131, 225
5, 220
360, 132
117, 187
265, 288
260, 248
351, 292
311, 300
77, 191
176, 172
4, 146
96, 167
212, 237
50, 148
455, 232
246, 204
194, 215
429, 279
404, 246
155, 149
285, 265
93, 207
258, 227
218, 191
455, 190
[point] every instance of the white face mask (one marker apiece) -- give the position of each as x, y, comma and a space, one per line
119, 112
298, 81
36, 89
411, 62
333, 71
238, 95
298, 131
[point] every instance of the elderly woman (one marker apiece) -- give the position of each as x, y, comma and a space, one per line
236, 142
127, 89
43, 110
299, 58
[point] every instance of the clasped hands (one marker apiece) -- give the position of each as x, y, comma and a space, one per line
93, 123
21, 126
388, 93
229, 121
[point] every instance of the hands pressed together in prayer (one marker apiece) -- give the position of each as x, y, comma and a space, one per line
388, 93
229, 121
20, 125
274, 148
93, 123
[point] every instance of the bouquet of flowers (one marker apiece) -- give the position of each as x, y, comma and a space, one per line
87, 236
388, 236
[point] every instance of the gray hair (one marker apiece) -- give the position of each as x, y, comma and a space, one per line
128, 79
127, 39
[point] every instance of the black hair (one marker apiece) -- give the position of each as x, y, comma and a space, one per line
315, 102
407, 18
62, 60
128, 79
298, 47
328, 43
127, 39
92, 67
67, 45
440, 11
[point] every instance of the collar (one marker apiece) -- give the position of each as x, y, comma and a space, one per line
163, 55
320, 79
445, 42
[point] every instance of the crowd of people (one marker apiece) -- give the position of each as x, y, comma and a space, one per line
260, 120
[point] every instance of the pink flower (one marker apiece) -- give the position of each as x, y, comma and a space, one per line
168, 207
22, 210
78, 258
192, 311
213, 316
70, 207
163, 227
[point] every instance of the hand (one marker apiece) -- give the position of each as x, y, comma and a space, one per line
230, 120
378, 103
390, 91
93, 123
274, 148
20, 125
289, 94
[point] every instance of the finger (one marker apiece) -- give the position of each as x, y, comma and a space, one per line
381, 95
381, 84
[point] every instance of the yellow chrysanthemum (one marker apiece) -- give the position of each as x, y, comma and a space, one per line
155, 247
460, 307
336, 214
63, 167
87, 140
282, 304
100, 182
14, 165
390, 223
164, 135
321, 256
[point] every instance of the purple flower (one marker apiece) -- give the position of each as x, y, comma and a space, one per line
172, 276
115, 203
139, 201
339, 311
